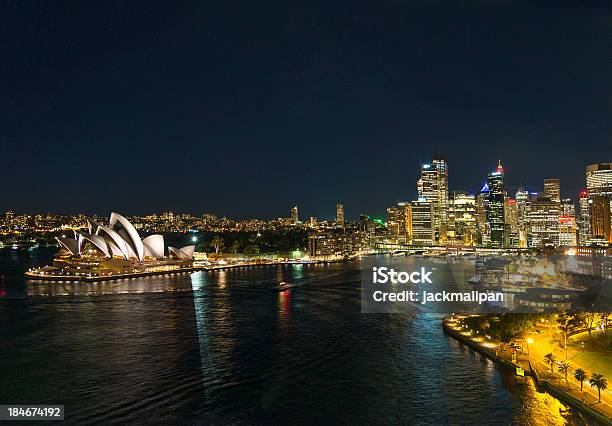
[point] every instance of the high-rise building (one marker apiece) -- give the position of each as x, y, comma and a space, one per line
544, 223
584, 226
495, 216
462, 223
422, 219
399, 224
567, 230
523, 205
295, 218
511, 221
568, 207
600, 219
482, 223
433, 186
340, 214
599, 179
552, 189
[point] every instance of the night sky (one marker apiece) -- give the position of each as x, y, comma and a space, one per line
246, 109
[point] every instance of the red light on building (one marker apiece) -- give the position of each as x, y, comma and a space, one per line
511, 201
584, 194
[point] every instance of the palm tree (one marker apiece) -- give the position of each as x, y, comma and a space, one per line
485, 326
599, 382
550, 358
564, 368
581, 376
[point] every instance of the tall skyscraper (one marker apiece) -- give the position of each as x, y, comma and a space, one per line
495, 216
511, 221
523, 205
567, 230
340, 214
462, 223
295, 218
552, 189
399, 223
544, 223
422, 220
482, 211
600, 219
599, 179
433, 187
584, 225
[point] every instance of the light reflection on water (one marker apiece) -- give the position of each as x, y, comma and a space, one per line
222, 347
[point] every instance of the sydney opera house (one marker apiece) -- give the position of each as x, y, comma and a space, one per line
105, 252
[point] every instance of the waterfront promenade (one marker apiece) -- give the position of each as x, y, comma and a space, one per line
531, 360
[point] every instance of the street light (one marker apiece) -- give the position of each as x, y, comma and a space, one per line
529, 342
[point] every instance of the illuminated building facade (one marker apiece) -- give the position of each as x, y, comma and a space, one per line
422, 219
462, 220
340, 214
600, 219
399, 223
295, 217
511, 221
599, 179
584, 234
105, 251
567, 231
552, 189
544, 223
495, 212
433, 187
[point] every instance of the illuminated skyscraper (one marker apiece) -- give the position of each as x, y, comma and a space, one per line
584, 226
433, 186
495, 216
422, 220
295, 218
340, 214
399, 223
523, 205
600, 219
567, 230
462, 224
552, 189
568, 207
511, 221
599, 179
543, 223
482, 223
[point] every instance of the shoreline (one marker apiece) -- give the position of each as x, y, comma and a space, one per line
542, 385
89, 279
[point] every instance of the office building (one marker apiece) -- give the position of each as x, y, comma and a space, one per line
552, 189
340, 214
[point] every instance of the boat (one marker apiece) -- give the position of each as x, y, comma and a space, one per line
283, 286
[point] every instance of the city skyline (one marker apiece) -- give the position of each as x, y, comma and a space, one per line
354, 211
253, 112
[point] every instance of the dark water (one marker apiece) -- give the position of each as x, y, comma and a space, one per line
221, 348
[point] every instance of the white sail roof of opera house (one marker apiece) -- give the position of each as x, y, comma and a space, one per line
120, 239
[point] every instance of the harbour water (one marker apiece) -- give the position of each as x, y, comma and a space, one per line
221, 347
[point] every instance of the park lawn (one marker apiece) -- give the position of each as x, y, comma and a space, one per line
595, 362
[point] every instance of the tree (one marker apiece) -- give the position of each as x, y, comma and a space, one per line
564, 368
587, 319
550, 358
485, 325
235, 247
581, 376
251, 250
217, 243
599, 382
